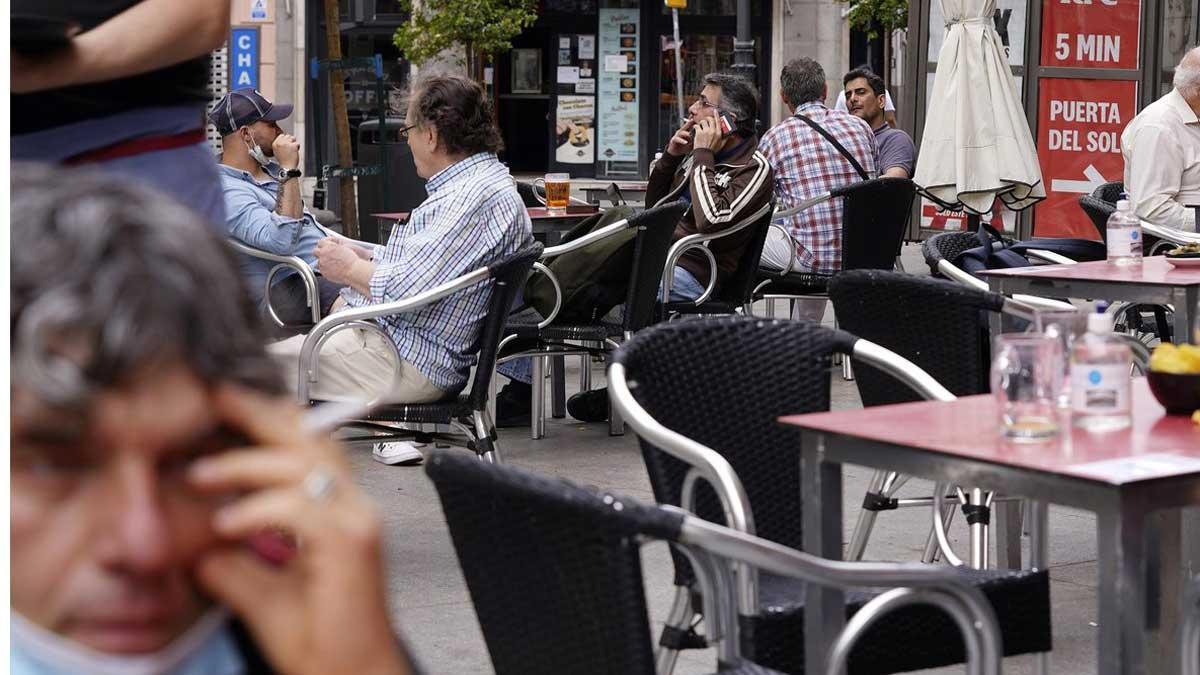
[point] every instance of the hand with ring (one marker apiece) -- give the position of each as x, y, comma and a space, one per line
324, 610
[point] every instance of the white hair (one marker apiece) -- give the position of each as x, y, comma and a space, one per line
1187, 74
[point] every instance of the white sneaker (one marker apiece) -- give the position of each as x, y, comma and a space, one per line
399, 452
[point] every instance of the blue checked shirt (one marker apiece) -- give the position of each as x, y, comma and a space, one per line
472, 218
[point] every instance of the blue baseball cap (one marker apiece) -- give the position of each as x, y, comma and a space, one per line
245, 106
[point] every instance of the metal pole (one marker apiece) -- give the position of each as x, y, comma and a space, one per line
743, 44
678, 66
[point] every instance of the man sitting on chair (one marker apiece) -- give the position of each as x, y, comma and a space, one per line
472, 218
864, 96
260, 177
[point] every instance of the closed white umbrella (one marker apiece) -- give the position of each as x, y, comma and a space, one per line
977, 143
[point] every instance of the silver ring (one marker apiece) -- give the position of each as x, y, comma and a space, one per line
319, 484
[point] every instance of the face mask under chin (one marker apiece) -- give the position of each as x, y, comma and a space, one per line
257, 154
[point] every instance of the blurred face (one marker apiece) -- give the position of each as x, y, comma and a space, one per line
706, 104
862, 101
104, 527
262, 134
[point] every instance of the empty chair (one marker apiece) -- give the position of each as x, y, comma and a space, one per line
555, 576
704, 397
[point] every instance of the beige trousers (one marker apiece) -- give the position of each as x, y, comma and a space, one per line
358, 365
777, 253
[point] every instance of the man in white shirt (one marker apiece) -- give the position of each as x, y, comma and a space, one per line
1161, 147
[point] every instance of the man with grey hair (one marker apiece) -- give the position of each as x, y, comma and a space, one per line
1161, 147
807, 163
149, 429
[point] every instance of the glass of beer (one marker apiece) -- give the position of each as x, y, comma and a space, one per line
558, 190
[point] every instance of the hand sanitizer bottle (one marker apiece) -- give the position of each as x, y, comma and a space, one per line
1100, 387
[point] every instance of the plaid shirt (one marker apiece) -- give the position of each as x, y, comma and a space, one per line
472, 218
807, 165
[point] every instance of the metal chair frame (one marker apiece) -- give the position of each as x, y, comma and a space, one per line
284, 262
701, 241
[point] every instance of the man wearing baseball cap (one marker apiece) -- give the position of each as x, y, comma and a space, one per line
260, 171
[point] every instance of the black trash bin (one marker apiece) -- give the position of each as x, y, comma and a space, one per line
406, 189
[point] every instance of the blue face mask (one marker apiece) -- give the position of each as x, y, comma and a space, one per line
206, 648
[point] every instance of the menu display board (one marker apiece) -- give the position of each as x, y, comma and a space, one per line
617, 99
575, 118
1091, 33
1079, 148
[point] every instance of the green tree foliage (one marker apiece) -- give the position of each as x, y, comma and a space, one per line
876, 16
481, 27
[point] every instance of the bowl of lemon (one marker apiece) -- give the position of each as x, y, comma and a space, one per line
1174, 378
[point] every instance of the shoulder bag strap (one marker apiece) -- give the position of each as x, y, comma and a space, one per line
840, 148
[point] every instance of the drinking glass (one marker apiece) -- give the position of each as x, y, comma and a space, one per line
1065, 326
558, 190
1026, 377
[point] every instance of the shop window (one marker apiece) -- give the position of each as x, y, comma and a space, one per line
361, 98
569, 7
1179, 35
714, 8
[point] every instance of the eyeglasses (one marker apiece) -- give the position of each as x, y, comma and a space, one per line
405, 130
704, 102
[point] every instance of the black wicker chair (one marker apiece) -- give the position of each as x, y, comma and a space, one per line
550, 338
555, 574
722, 384
875, 215
468, 413
737, 293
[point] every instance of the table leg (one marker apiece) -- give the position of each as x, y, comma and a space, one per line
821, 492
1168, 570
1006, 519
1123, 603
1185, 327
558, 387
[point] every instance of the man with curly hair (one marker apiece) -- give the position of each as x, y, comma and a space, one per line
472, 218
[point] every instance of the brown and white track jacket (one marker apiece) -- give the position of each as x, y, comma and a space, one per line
722, 195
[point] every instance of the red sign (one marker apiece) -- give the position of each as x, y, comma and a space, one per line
1079, 147
1091, 33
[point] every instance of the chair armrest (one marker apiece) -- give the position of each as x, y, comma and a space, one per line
914, 583
589, 238
802, 206
706, 463
361, 316
1023, 306
312, 295
700, 240
1050, 257
946, 587
1171, 234
558, 293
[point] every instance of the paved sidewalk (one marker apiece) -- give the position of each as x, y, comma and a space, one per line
433, 608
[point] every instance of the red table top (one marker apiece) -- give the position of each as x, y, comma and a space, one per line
1153, 270
535, 213
1155, 446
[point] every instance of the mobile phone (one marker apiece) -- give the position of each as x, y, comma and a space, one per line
728, 124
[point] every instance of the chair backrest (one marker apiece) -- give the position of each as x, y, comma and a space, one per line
1098, 211
508, 277
946, 246
554, 570
739, 287
724, 382
529, 194
875, 216
939, 325
1109, 192
655, 229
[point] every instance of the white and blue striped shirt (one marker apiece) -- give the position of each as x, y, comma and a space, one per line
473, 217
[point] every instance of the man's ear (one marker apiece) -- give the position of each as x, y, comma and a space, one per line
825, 92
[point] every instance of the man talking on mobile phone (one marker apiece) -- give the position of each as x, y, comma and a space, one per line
712, 161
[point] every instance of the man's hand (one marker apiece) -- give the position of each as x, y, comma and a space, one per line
681, 142
708, 134
297, 607
287, 151
336, 260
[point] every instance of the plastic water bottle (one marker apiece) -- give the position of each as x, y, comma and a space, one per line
1124, 235
1100, 388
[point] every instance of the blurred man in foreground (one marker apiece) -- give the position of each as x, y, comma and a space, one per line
158, 479
1161, 147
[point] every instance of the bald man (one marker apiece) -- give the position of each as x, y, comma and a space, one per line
1161, 147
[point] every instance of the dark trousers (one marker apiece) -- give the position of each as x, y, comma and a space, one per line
288, 298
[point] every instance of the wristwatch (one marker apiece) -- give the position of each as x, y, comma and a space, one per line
288, 174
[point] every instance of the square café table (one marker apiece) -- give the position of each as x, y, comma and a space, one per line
1155, 281
550, 223
1136, 480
